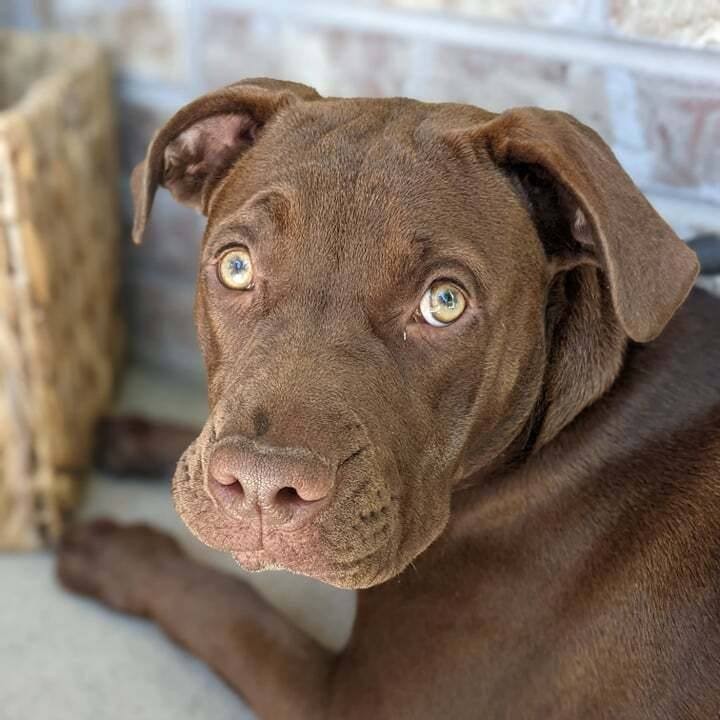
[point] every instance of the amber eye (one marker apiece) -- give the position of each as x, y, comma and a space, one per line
443, 303
235, 269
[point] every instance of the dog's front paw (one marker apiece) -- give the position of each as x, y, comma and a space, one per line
120, 565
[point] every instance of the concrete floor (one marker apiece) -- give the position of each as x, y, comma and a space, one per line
64, 657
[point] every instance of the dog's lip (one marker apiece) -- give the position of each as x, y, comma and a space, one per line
287, 551
307, 564
298, 549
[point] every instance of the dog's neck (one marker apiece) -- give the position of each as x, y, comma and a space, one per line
586, 350
673, 373
565, 393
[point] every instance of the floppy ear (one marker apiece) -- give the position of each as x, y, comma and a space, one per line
201, 142
648, 269
617, 269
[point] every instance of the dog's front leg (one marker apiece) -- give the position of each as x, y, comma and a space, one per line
279, 671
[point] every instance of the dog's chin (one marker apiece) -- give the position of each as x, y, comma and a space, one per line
363, 573
348, 545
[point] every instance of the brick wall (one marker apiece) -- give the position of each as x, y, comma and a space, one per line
645, 74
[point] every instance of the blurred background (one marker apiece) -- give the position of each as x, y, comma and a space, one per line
643, 73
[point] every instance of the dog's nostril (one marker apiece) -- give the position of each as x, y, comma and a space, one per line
281, 486
288, 496
226, 479
231, 485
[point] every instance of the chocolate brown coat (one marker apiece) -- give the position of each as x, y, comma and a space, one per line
528, 498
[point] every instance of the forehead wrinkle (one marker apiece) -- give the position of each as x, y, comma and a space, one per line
413, 253
269, 205
385, 182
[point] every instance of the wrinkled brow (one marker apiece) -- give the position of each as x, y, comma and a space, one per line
237, 232
421, 244
417, 252
266, 207
423, 257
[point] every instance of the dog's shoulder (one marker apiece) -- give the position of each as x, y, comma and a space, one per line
669, 398
674, 382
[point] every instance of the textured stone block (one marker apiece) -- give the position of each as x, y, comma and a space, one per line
681, 129
585, 13
498, 80
336, 62
147, 37
695, 23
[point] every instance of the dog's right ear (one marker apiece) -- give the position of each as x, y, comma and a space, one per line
202, 141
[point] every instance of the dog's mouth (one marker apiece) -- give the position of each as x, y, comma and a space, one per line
353, 542
345, 553
353, 571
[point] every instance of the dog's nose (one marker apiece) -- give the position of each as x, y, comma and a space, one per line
287, 486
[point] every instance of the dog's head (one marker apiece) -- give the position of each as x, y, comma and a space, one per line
393, 297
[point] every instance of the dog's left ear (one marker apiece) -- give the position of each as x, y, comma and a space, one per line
196, 148
649, 270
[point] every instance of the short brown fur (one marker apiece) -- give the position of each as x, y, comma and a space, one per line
530, 496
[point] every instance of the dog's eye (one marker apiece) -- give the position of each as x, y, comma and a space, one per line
443, 303
235, 269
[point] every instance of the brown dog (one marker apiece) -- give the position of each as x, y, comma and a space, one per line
441, 367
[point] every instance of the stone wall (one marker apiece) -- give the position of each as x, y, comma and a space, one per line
645, 74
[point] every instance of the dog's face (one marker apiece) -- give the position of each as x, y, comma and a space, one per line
377, 303
341, 346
